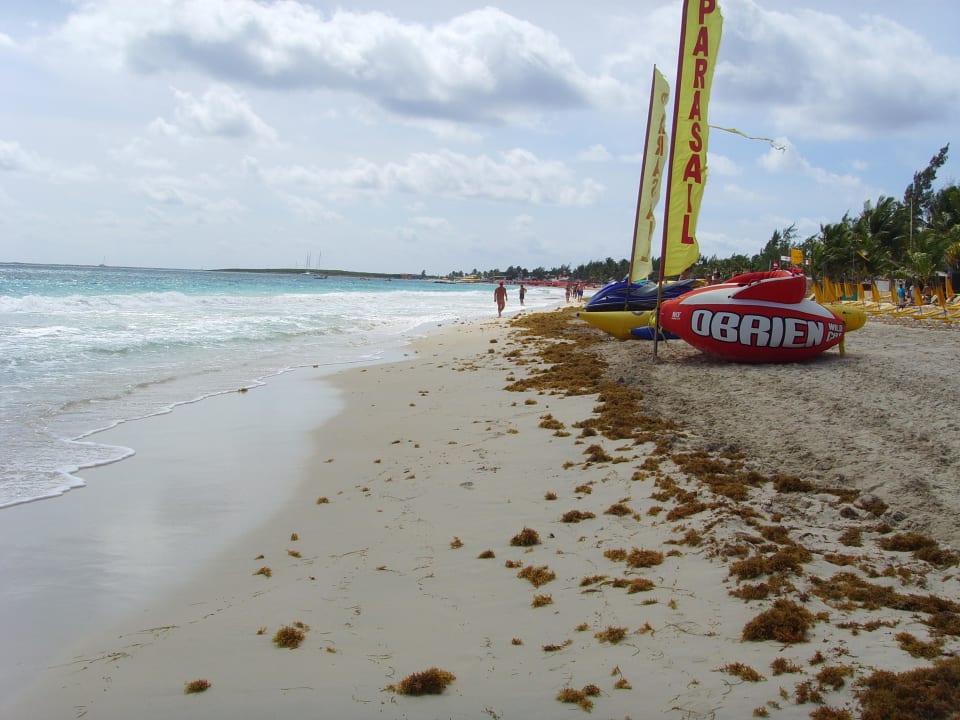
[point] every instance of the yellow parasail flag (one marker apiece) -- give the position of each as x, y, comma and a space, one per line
699, 43
651, 178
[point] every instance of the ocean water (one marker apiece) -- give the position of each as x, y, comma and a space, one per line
83, 349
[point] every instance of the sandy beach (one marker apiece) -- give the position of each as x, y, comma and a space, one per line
884, 419
712, 540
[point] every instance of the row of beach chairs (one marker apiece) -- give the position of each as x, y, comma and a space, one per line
945, 307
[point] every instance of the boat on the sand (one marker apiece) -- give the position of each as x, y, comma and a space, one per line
757, 318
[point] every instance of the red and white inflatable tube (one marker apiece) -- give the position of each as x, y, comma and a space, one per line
767, 319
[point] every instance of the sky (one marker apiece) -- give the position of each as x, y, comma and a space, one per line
443, 135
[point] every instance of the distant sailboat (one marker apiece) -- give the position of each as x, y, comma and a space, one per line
319, 275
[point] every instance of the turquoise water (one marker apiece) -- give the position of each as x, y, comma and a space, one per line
85, 348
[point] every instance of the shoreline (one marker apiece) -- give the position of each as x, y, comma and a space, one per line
430, 463
77, 561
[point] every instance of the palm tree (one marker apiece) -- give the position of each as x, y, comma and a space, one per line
878, 236
945, 227
920, 267
812, 249
837, 259
778, 246
930, 250
952, 255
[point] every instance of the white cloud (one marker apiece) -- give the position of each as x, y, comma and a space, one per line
309, 208
790, 161
595, 153
137, 152
220, 112
642, 41
823, 76
433, 223
250, 168
483, 66
721, 165
742, 194
523, 226
445, 130
170, 191
76, 174
515, 176
407, 235
163, 128
189, 200
14, 158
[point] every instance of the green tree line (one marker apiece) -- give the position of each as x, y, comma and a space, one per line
913, 238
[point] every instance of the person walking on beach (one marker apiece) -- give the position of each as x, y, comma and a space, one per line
523, 293
500, 296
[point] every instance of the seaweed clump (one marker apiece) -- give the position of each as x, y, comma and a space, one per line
596, 454
580, 697
918, 648
644, 558
525, 538
575, 516
744, 672
789, 558
611, 635
289, 637
791, 484
196, 686
832, 676
537, 575
782, 665
927, 692
785, 622
619, 509
922, 547
639, 585
429, 682
849, 590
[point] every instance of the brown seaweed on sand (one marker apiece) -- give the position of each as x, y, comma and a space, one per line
429, 682
525, 538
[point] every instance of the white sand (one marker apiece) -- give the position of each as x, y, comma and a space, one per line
884, 418
432, 449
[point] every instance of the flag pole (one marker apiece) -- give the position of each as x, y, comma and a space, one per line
666, 208
640, 190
